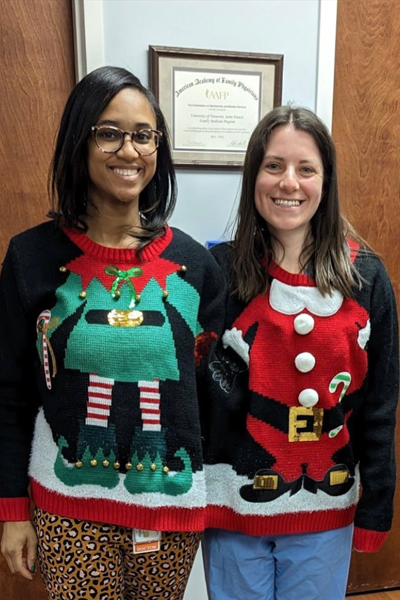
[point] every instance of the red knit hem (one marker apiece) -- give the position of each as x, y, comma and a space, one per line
14, 509
184, 519
163, 518
365, 540
304, 522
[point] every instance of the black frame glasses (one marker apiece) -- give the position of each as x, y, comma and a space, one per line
157, 135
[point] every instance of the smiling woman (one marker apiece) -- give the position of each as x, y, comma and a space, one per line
107, 320
288, 188
119, 172
306, 381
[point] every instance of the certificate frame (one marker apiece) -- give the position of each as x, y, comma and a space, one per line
212, 100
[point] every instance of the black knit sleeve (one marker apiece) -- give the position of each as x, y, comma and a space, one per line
211, 312
377, 419
227, 378
18, 396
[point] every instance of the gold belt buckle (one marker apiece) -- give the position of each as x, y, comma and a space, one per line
297, 424
265, 482
125, 318
338, 477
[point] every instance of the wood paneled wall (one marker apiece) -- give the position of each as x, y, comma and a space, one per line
37, 74
366, 130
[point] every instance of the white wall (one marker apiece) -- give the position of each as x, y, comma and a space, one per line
118, 32
288, 27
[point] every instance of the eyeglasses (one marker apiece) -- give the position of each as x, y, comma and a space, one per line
110, 139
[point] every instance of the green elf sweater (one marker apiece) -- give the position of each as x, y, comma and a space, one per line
102, 362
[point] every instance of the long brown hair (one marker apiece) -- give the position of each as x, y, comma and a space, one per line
325, 252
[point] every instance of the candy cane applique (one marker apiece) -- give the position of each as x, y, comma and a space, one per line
343, 378
43, 324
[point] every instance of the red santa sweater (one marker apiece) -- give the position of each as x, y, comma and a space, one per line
307, 413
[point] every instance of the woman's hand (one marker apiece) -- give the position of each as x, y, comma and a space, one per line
19, 545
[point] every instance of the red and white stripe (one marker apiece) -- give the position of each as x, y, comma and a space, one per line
150, 405
99, 400
45, 316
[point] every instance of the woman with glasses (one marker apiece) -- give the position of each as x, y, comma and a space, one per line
107, 317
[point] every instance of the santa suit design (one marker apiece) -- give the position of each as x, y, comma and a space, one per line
297, 380
305, 396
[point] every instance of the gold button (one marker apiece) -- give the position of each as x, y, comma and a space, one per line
106, 463
165, 469
153, 467
165, 294
78, 464
116, 465
63, 269
139, 467
183, 268
93, 462
117, 294
82, 295
138, 296
128, 466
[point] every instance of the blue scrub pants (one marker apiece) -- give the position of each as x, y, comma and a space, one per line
305, 566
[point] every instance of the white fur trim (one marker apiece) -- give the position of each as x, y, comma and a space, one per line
223, 486
290, 300
364, 335
234, 339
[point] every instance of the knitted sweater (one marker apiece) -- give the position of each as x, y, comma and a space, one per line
102, 361
308, 410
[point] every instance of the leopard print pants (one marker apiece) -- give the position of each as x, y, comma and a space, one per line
81, 559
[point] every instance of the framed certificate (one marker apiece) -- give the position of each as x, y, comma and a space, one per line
212, 101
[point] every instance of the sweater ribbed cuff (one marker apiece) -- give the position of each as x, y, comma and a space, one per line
365, 540
14, 509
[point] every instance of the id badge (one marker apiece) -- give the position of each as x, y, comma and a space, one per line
145, 541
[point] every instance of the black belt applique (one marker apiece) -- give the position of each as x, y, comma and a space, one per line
125, 318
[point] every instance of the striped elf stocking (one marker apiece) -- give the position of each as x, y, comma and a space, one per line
99, 400
150, 405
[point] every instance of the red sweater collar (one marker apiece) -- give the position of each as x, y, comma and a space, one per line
289, 278
119, 255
